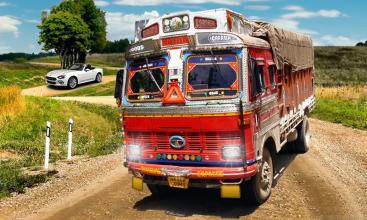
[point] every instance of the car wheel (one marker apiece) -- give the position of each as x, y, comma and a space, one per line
99, 78
258, 189
72, 82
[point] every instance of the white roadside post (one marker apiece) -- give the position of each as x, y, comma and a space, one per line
70, 139
47, 146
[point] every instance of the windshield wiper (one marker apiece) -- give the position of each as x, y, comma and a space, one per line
151, 74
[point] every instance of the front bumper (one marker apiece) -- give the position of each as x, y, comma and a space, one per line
56, 82
207, 173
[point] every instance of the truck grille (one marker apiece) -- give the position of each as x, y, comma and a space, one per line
195, 141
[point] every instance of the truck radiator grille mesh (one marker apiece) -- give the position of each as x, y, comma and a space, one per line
195, 141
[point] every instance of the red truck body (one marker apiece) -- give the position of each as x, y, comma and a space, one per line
211, 108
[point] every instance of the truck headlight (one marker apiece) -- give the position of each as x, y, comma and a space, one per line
231, 152
61, 77
134, 151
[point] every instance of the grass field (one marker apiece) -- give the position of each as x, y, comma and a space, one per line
102, 60
22, 137
346, 105
338, 66
22, 75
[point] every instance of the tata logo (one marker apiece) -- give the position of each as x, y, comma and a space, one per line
177, 142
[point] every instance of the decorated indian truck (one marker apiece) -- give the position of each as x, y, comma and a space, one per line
209, 98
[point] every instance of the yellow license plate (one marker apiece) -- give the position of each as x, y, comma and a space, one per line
178, 182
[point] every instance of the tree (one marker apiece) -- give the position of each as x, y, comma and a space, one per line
361, 44
92, 16
118, 46
67, 34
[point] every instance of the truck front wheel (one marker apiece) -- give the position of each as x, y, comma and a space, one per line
258, 189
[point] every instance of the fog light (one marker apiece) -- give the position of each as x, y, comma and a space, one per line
134, 151
60, 82
231, 152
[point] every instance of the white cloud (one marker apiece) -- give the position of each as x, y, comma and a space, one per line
120, 25
330, 40
101, 3
9, 24
299, 12
293, 8
161, 2
292, 25
258, 7
252, 17
3, 4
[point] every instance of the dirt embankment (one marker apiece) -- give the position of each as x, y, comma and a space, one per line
327, 182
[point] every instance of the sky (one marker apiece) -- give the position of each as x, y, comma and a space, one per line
328, 22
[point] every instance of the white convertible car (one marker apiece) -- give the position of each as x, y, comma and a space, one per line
77, 74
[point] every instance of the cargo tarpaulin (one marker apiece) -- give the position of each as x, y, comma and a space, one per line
288, 47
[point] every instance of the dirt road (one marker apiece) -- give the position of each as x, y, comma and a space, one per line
51, 91
330, 181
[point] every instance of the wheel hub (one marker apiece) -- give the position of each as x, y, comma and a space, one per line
266, 176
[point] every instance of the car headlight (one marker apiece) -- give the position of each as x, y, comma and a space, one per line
61, 77
231, 152
134, 151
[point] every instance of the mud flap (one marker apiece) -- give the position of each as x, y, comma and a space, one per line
230, 191
137, 183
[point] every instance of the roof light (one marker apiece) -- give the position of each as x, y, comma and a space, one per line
150, 31
205, 23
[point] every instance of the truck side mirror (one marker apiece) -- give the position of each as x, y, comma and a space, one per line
119, 84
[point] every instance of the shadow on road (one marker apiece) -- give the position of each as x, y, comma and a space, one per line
207, 201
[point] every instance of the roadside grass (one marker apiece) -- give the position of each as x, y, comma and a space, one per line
23, 75
95, 133
103, 60
107, 89
345, 105
11, 102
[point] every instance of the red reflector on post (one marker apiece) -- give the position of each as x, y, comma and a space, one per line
171, 41
205, 23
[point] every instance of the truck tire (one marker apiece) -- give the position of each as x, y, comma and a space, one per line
72, 82
98, 78
302, 143
258, 189
158, 190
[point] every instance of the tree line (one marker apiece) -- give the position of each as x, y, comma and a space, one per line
361, 44
23, 56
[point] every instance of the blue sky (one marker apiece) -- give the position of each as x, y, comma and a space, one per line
329, 22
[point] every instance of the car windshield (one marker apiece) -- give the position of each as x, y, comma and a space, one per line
146, 84
212, 76
77, 66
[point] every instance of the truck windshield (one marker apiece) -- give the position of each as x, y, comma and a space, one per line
212, 76
141, 86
